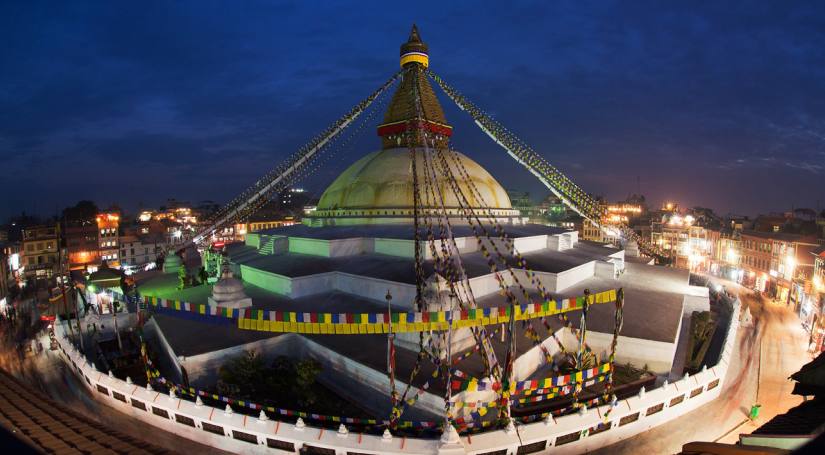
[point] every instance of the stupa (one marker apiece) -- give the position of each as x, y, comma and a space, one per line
360, 246
228, 292
379, 188
172, 263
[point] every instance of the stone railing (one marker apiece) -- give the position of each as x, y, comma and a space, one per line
239, 433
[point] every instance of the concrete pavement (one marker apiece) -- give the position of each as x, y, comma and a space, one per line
783, 352
777, 337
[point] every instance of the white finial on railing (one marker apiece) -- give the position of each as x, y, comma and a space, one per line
387, 436
228, 410
687, 375
583, 410
149, 387
299, 424
342, 431
642, 392
198, 401
262, 417
172, 395
111, 375
665, 385
704, 368
450, 435
128, 380
510, 428
548, 420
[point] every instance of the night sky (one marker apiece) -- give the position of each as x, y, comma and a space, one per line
720, 104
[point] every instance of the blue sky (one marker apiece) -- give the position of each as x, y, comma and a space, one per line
719, 104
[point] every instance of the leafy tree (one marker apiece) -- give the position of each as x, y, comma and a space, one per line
306, 372
291, 383
82, 211
245, 375
181, 277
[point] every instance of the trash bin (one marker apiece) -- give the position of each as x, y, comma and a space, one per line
755, 411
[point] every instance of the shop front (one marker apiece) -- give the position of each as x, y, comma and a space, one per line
818, 334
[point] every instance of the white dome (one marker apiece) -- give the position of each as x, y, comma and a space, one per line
228, 289
381, 184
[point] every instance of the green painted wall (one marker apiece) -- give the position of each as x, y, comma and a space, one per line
395, 247
253, 240
314, 247
272, 282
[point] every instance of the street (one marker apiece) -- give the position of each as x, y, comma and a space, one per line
47, 373
778, 338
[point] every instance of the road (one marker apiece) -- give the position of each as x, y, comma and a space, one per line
47, 373
777, 338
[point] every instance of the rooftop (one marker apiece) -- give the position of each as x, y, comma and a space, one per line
780, 236
405, 232
399, 269
806, 419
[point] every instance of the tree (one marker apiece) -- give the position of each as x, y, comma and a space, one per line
182, 277
702, 328
82, 211
245, 375
306, 372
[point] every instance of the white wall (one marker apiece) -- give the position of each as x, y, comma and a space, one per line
657, 355
527, 363
606, 270
693, 392
575, 275
697, 298
154, 333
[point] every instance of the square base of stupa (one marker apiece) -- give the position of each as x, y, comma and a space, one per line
242, 303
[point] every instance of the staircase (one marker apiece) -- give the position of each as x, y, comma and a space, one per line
268, 247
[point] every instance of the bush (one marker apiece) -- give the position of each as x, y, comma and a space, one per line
291, 383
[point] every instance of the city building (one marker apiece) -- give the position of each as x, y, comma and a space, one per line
80, 236
108, 225
41, 255
81, 241
139, 251
259, 223
690, 246
782, 265
727, 257
5, 274
818, 300
553, 207
627, 212
14, 263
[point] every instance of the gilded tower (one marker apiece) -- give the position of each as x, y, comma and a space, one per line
379, 189
404, 120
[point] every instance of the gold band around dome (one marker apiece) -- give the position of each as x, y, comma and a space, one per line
415, 57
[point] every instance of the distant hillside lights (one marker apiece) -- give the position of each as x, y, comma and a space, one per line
182, 215
625, 209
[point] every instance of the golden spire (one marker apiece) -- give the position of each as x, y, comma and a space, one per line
414, 50
414, 106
